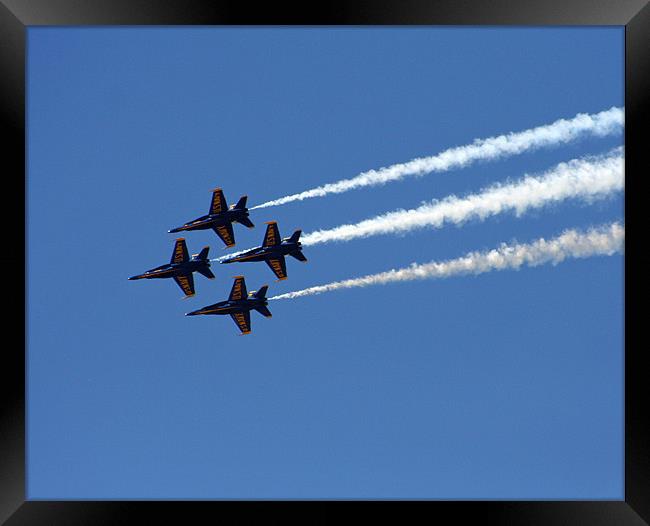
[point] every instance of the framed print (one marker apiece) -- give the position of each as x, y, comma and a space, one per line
368, 252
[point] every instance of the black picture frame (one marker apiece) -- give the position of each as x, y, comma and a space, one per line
17, 15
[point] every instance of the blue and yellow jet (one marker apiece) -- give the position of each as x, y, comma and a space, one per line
239, 305
220, 218
181, 267
273, 251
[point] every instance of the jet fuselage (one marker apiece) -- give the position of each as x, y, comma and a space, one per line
235, 215
263, 253
174, 269
232, 306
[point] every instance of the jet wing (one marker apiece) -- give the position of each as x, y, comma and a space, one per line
272, 236
238, 291
278, 266
186, 283
180, 253
218, 203
225, 233
243, 321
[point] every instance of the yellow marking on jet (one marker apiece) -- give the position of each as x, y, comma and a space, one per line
277, 267
223, 231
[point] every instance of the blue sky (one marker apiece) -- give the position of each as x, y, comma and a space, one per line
507, 385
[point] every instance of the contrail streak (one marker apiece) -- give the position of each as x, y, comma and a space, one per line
598, 241
587, 178
559, 132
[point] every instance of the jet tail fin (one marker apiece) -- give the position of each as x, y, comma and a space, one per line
298, 255
295, 236
246, 222
206, 272
242, 202
261, 293
203, 254
264, 311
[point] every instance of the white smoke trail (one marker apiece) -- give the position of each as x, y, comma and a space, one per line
561, 131
598, 241
587, 178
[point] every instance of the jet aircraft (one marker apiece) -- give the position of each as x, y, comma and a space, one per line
273, 251
220, 218
239, 304
181, 267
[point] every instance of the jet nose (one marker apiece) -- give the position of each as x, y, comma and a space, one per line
193, 313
